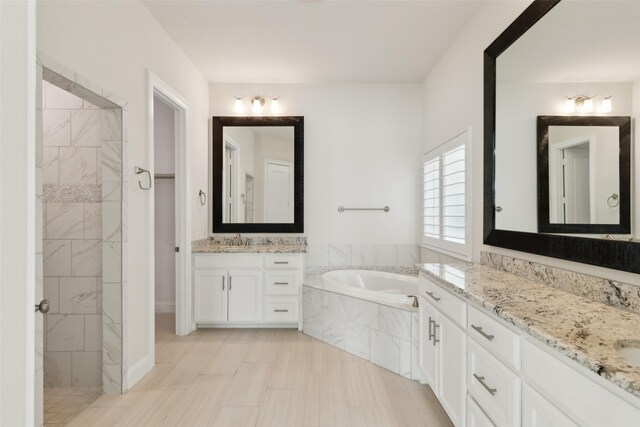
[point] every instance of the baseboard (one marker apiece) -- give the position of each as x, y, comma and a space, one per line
165, 307
136, 372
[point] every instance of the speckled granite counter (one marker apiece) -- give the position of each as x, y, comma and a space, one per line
270, 245
585, 331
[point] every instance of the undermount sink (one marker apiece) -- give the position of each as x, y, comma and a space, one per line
630, 351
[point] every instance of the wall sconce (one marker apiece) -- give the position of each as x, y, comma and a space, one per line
257, 104
585, 104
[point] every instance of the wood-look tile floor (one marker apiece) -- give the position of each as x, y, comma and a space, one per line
262, 377
63, 404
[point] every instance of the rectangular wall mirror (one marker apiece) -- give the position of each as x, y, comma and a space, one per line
559, 105
258, 172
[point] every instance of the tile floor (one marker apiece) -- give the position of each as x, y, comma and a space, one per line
262, 377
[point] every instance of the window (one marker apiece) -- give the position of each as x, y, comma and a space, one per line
446, 208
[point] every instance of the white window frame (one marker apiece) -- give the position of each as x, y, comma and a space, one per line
460, 250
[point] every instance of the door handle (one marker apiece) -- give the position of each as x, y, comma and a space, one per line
43, 307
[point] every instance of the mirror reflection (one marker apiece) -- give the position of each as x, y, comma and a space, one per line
578, 180
258, 174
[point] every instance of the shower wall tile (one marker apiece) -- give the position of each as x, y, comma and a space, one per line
86, 128
112, 129
56, 98
57, 369
111, 262
86, 258
93, 220
112, 221
78, 165
50, 165
317, 255
384, 255
111, 191
65, 221
112, 307
340, 255
112, 343
65, 332
111, 161
78, 295
408, 255
93, 332
112, 379
86, 369
361, 255
56, 128
52, 293
57, 258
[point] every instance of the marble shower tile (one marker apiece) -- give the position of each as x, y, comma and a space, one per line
50, 165
86, 128
365, 313
317, 255
112, 343
361, 255
312, 312
111, 262
112, 221
56, 128
57, 257
112, 192
357, 340
86, 369
395, 322
334, 330
112, 379
93, 220
384, 255
93, 333
78, 295
112, 302
111, 161
408, 255
65, 221
339, 255
57, 369
52, 293
385, 351
78, 165
86, 258
65, 332
56, 98
112, 125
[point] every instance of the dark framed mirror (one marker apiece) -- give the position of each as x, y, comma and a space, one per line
524, 78
258, 174
584, 174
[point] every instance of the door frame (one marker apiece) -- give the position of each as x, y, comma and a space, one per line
184, 325
266, 183
234, 215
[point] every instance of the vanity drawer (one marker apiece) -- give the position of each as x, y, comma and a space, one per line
281, 309
282, 261
227, 261
443, 300
493, 386
475, 416
285, 282
498, 339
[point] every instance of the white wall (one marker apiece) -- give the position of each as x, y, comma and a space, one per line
453, 99
362, 149
164, 136
114, 44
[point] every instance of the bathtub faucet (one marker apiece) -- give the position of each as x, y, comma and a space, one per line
415, 300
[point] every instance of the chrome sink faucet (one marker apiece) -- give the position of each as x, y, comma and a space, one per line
238, 240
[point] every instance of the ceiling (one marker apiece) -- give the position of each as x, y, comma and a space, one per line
577, 41
313, 41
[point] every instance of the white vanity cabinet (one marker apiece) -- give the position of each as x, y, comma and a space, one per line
247, 289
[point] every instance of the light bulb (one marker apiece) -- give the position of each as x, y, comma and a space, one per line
570, 105
587, 105
275, 106
257, 105
606, 106
239, 106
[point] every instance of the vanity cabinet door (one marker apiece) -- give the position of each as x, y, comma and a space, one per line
452, 354
428, 350
210, 296
538, 412
245, 296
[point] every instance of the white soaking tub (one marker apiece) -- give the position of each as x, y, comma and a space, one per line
376, 286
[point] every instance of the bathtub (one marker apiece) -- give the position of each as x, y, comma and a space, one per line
376, 286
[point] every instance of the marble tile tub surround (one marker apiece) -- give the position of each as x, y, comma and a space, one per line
271, 244
606, 291
361, 255
587, 332
386, 336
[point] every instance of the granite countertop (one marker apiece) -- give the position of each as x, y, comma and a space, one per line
260, 249
585, 331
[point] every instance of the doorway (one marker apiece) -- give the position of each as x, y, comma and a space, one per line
278, 191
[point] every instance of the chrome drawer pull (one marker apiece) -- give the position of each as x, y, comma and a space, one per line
483, 333
432, 295
277, 310
281, 262
280, 283
492, 391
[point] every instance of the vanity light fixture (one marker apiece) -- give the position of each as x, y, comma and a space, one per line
585, 104
257, 103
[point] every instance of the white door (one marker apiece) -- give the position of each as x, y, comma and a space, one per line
245, 296
210, 296
577, 200
452, 354
278, 192
538, 412
428, 353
